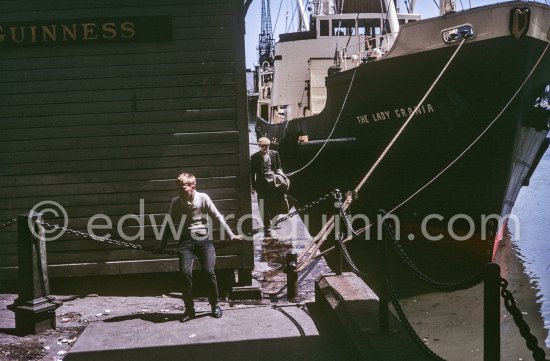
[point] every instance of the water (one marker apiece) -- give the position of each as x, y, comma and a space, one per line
532, 234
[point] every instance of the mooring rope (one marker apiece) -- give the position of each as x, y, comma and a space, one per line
331, 132
478, 137
400, 131
329, 226
439, 174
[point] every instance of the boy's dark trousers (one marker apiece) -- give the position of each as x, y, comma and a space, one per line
204, 250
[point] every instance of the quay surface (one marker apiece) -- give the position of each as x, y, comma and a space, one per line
91, 326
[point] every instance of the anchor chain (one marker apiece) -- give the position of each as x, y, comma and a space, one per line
445, 286
524, 330
6, 223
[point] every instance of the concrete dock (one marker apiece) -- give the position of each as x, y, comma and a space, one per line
243, 333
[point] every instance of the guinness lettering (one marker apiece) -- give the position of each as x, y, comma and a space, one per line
86, 31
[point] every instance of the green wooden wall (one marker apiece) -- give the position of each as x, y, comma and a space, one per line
97, 126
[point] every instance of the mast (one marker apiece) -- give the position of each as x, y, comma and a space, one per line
303, 23
412, 4
392, 16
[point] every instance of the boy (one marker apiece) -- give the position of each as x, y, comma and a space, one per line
192, 208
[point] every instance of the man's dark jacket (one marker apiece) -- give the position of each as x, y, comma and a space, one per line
259, 183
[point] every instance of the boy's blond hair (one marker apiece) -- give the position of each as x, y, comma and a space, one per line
186, 179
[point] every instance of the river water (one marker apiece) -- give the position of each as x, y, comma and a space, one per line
532, 233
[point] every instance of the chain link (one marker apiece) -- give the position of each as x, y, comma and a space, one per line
524, 330
445, 286
348, 259
111, 241
6, 223
307, 206
406, 323
336, 194
395, 301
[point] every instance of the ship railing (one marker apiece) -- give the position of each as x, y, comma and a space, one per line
363, 50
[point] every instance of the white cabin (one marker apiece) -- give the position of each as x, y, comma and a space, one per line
296, 82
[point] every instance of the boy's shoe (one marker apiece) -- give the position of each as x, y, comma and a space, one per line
187, 315
217, 311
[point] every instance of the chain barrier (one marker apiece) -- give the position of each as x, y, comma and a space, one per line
444, 286
6, 223
348, 259
343, 213
509, 301
406, 323
393, 295
530, 340
297, 211
114, 242
307, 206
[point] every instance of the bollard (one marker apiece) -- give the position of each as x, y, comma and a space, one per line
339, 235
383, 310
291, 275
491, 313
338, 255
34, 312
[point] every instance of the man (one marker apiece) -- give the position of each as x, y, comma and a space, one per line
263, 166
193, 209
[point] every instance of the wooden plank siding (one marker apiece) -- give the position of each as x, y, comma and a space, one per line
105, 127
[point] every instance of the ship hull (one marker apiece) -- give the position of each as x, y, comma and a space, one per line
451, 167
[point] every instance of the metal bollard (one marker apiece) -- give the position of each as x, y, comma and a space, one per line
491, 313
34, 312
291, 275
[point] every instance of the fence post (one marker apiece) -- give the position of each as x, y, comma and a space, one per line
34, 312
338, 235
383, 310
291, 275
491, 313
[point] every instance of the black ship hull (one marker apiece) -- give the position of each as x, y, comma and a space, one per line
455, 158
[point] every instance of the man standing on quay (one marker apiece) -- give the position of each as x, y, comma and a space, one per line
263, 165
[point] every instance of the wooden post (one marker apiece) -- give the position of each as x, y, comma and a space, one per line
34, 312
491, 313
